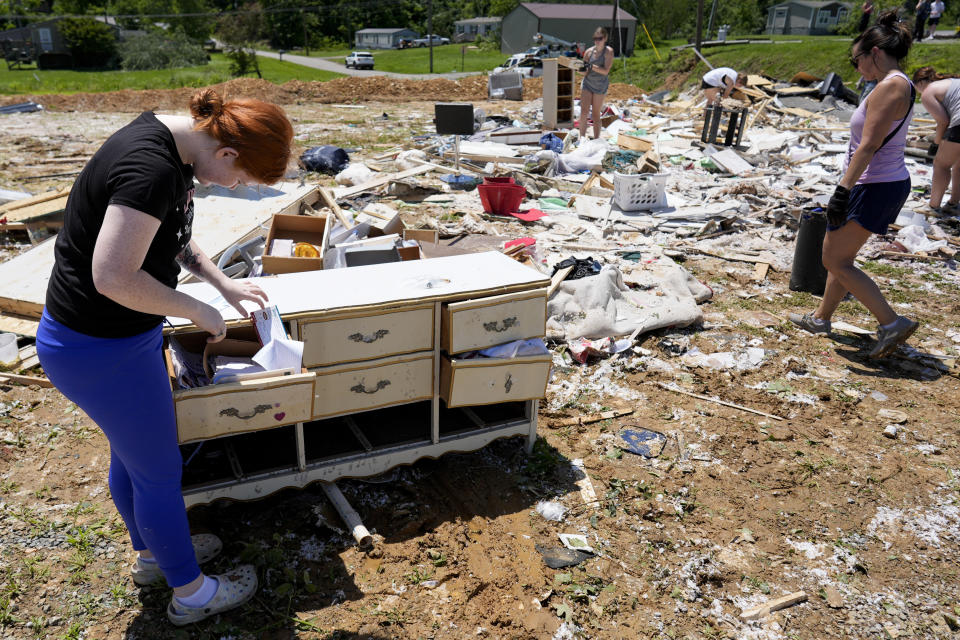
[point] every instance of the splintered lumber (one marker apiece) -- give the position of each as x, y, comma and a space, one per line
774, 605
331, 202
37, 209
346, 192
912, 256
596, 417
557, 278
27, 202
633, 143
663, 385
25, 380
756, 114
760, 271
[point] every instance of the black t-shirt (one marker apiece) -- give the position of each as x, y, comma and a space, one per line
138, 167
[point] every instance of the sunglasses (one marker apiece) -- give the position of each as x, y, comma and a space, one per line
599, 39
855, 59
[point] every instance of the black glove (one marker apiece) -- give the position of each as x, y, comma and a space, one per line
837, 207
932, 151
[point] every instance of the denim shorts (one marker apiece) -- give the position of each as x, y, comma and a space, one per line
875, 205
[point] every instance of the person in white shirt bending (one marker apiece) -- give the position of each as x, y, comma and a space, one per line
718, 83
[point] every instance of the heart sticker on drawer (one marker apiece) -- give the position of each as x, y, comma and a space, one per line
279, 416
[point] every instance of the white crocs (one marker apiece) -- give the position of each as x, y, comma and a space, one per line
235, 588
205, 545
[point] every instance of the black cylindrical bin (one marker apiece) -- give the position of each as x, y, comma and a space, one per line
808, 273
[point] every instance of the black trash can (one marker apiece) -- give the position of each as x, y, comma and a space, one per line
808, 273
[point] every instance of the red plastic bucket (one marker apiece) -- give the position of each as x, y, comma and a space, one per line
501, 199
503, 180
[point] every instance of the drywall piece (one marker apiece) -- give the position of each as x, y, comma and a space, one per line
732, 162
221, 217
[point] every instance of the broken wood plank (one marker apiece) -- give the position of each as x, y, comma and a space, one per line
912, 256
774, 605
557, 278
663, 385
331, 202
345, 192
760, 271
596, 417
25, 380
36, 210
32, 200
587, 492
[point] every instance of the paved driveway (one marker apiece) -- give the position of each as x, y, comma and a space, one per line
329, 65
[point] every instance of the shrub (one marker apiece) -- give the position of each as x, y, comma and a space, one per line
91, 43
161, 51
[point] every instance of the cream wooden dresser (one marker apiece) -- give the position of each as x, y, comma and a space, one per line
381, 386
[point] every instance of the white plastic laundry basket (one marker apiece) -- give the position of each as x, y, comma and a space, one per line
637, 192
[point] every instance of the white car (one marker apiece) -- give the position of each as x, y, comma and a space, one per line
359, 60
528, 66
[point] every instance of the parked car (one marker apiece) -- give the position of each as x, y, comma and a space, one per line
359, 60
425, 40
528, 66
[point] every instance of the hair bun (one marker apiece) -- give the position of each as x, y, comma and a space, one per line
206, 103
889, 18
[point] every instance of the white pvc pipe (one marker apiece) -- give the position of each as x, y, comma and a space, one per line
347, 513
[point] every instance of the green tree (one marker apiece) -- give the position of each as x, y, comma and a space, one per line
240, 35
91, 43
158, 50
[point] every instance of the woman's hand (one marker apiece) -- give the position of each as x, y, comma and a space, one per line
210, 320
233, 291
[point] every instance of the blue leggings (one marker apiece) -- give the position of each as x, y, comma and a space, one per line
122, 384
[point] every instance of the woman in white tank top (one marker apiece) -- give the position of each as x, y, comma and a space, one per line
941, 98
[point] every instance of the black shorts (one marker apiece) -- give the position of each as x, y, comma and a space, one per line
952, 134
875, 205
704, 85
933, 22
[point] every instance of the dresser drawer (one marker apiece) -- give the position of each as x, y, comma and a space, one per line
491, 380
237, 407
379, 383
484, 322
366, 337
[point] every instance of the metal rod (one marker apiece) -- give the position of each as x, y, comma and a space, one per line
350, 517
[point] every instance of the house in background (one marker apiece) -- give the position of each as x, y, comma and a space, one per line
803, 18
567, 22
472, 28
45, 43
382, 38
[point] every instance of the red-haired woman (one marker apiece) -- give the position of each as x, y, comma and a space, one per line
127, 226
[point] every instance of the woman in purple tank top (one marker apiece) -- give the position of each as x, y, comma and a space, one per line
874, 186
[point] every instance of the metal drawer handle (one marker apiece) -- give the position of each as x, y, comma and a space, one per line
233, 412
508, 383
360, 388
506, 324
373, 337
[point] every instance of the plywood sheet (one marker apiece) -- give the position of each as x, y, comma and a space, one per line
221, 217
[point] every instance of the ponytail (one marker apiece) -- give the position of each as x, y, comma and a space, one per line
889, 34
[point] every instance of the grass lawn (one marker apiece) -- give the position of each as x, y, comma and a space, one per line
446, 59
34, 81
817, 55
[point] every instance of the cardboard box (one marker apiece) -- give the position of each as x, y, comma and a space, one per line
381, 220
310, 229
431, 236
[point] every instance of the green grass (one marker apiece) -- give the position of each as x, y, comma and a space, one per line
446, 59
32, 81
817, 55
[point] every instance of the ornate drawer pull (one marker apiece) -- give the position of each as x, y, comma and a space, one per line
506, 324
373, 337
508, 383
360, 388
233, 412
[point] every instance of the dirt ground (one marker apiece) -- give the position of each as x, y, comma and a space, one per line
738, 509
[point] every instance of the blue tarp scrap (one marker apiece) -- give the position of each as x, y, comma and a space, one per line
643, 442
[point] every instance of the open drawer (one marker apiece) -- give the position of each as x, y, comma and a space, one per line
348, 338
485, 322
249, 405
354, 387
491, 380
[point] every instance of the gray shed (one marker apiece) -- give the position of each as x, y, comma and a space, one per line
803, 18
382, 38
567, 22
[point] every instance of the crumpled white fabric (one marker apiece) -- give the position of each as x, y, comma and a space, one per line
915, 239
604, 306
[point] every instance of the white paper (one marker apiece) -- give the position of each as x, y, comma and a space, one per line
280, 354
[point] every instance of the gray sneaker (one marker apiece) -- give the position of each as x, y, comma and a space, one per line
889, 339
808, 323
